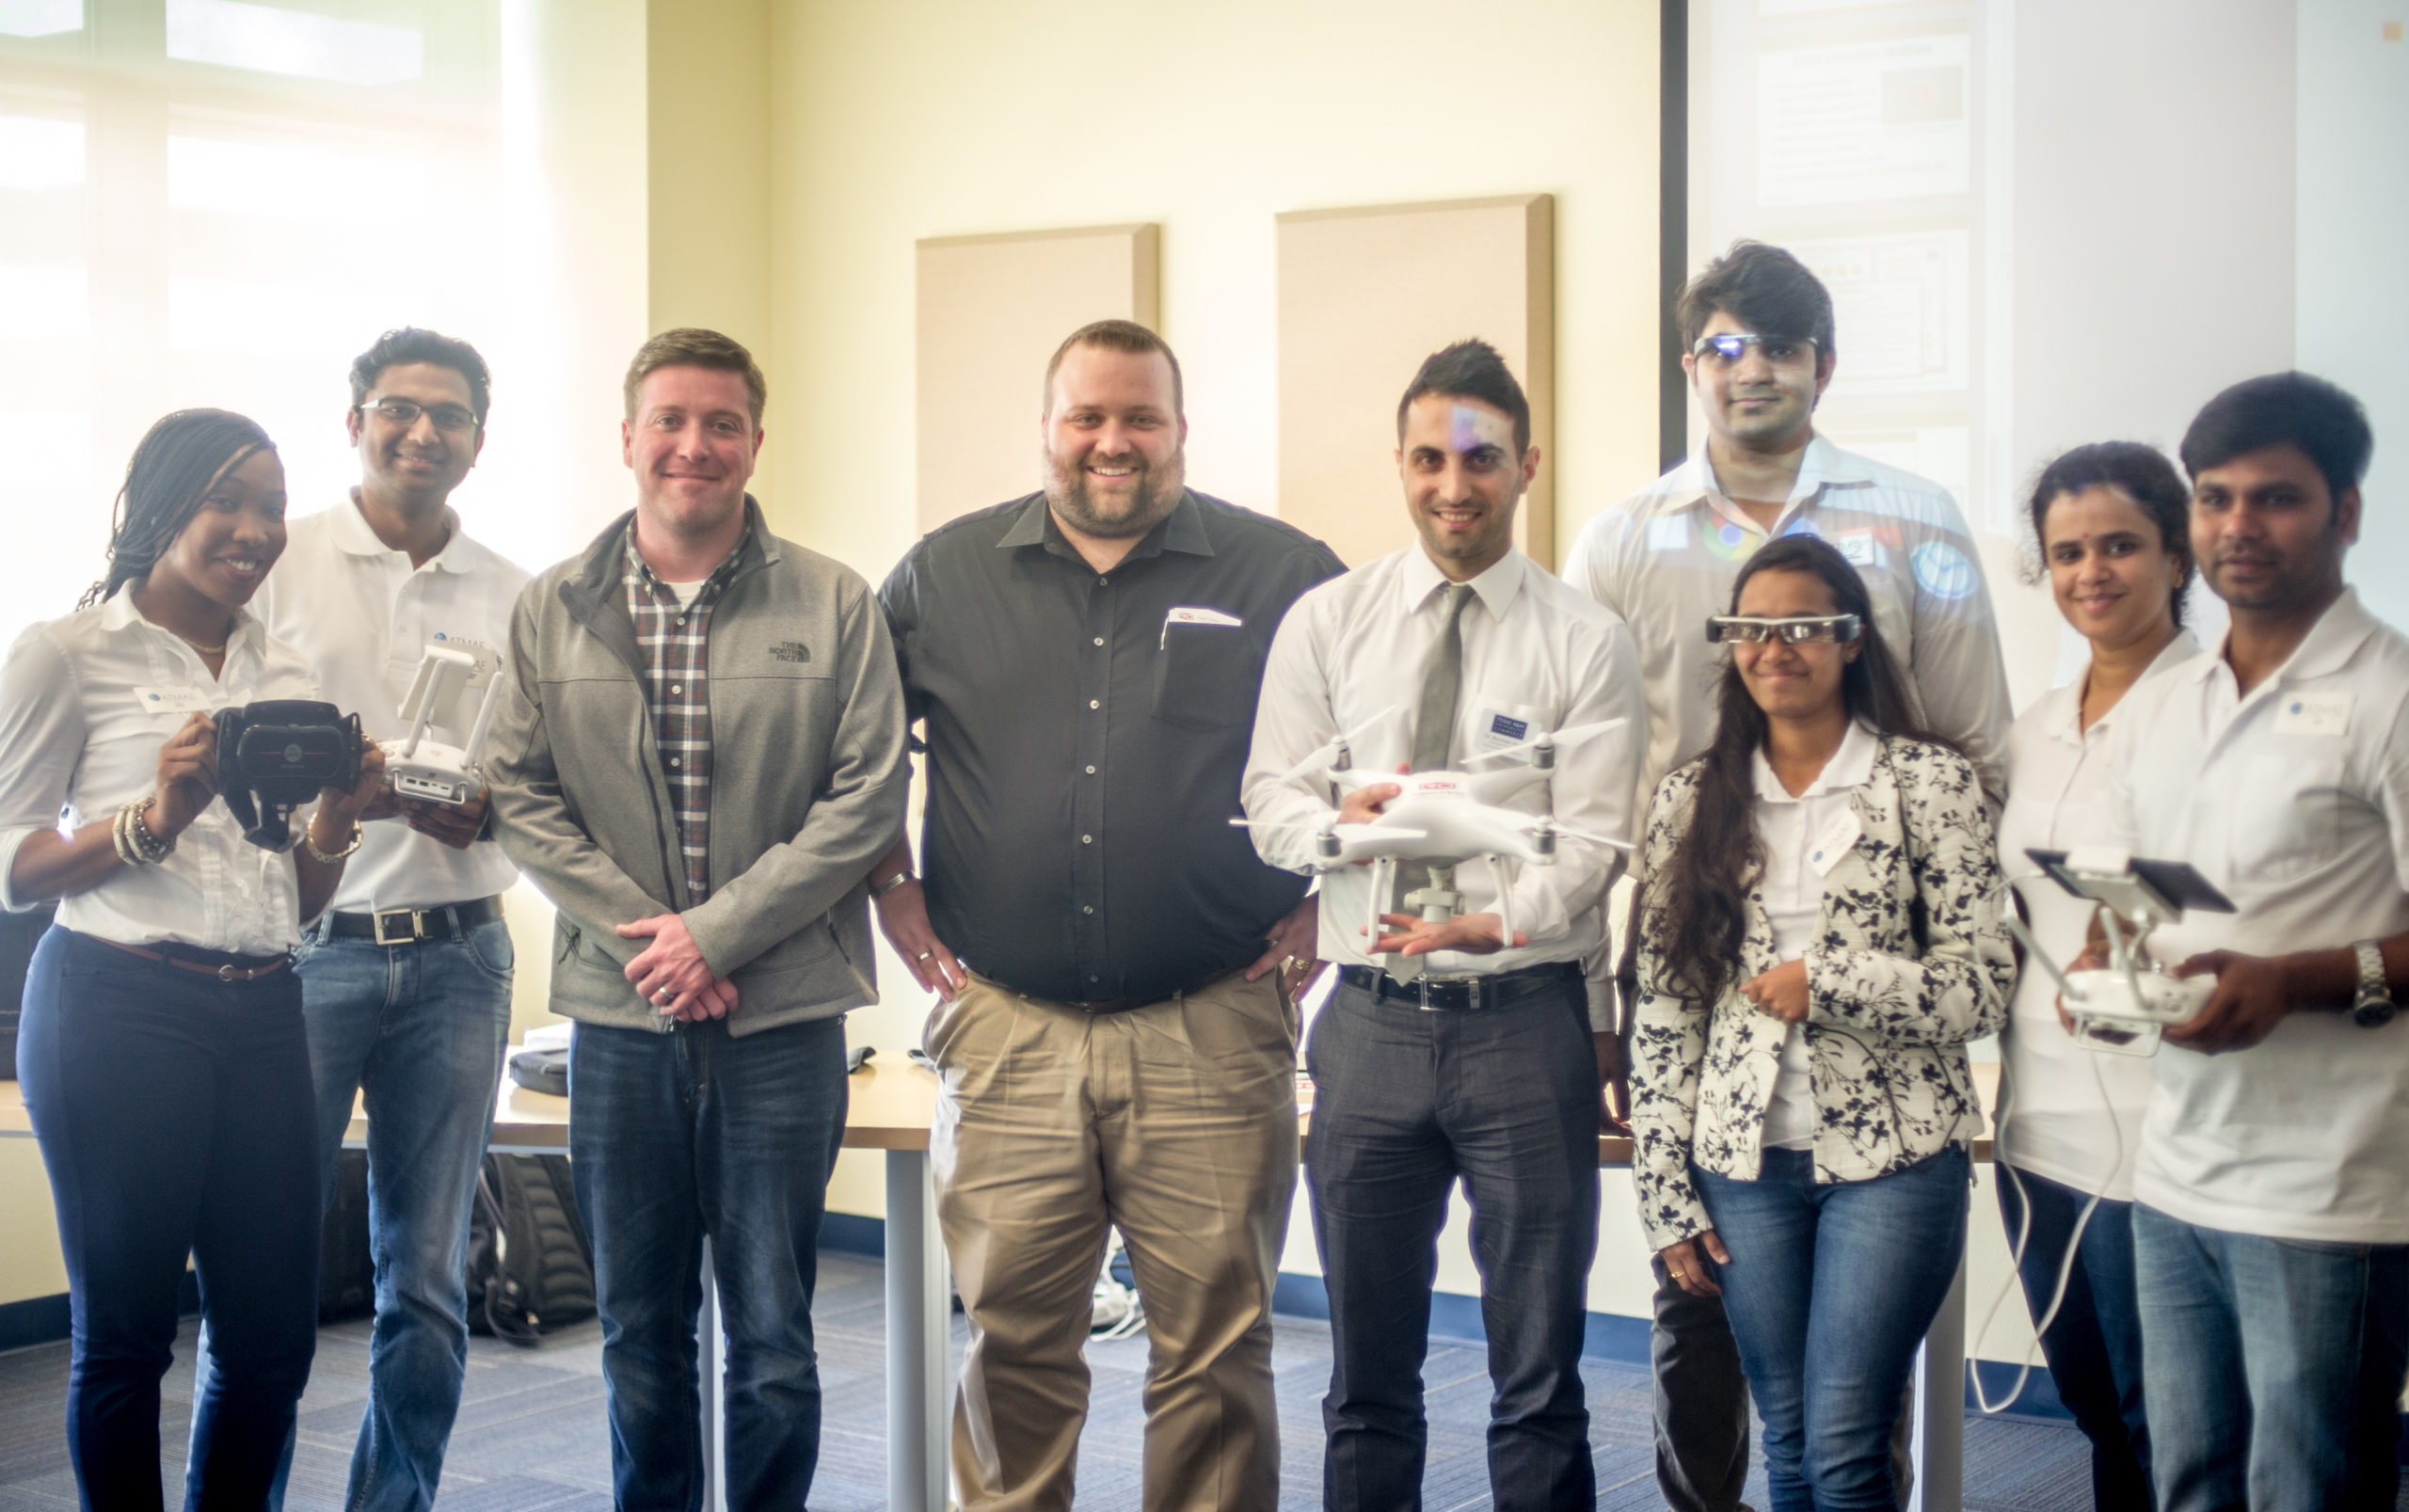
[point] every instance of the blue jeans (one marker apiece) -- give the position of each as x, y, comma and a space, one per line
1829, 1291
1405, 1104
2274, 1367
2093, 1346
420, 1028
674, 1137
174, 1115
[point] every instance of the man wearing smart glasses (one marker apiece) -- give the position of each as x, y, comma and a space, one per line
1759, 350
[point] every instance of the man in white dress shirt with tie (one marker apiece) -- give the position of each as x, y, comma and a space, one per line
2270, 1229
406, 978
1482, 1068
1759, 347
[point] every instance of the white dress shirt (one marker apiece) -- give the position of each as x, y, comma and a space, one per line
364, 616
2074, 1114
1804, 837
1537, 657
86, 703
1665, 559
2294, 801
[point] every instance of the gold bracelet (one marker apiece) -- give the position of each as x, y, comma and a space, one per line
328, 858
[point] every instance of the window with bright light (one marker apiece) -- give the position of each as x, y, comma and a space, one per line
220, 202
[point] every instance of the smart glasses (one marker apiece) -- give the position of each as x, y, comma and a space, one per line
402, 414
1795, 631
1731, 347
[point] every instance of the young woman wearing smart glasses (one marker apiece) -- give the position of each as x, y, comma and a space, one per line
161, 1049
1820, 938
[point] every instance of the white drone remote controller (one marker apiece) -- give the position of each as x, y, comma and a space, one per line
2121, 1007
428, 769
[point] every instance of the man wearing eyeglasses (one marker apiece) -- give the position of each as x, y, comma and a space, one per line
406, 978
1759, 350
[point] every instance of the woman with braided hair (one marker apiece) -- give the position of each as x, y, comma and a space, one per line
161, 1049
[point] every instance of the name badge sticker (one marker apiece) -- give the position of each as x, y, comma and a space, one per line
1195, 614
1834, 843
1499, 728
171, 700
2325, 713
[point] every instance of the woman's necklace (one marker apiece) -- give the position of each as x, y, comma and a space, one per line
218, 649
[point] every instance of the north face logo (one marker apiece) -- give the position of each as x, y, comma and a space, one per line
792, 651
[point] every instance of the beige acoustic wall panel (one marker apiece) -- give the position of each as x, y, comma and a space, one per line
1365, 296
991, 310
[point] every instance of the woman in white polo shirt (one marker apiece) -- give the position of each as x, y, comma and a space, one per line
2112, 521
161, 1048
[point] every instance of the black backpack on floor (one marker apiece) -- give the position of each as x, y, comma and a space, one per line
530, 1268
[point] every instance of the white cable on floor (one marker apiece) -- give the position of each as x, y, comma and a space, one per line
2018, 1241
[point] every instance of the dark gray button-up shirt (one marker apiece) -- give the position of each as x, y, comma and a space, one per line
1085, 737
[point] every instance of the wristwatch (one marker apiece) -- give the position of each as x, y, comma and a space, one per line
2373, 1008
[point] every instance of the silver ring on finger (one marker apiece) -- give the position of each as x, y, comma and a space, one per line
924, 955
662, 998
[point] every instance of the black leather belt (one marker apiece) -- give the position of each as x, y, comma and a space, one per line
413, 926
1465, 993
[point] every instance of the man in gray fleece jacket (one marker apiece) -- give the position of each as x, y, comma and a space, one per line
700, 754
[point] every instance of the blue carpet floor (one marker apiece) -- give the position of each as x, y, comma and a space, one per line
530, 1431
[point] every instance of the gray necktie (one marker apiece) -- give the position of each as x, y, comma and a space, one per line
1434, 717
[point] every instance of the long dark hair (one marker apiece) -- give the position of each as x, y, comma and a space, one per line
1697, 910
172, 468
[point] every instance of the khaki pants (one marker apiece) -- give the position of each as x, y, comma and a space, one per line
1175, 1123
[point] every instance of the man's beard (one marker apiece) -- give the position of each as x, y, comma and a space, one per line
1156, 494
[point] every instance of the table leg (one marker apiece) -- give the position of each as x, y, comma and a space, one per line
920, 1322
1941, 1406
712, 1343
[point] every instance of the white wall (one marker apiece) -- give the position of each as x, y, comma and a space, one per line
2353, 225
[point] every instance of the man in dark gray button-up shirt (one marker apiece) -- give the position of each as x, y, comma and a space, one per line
1118, 1035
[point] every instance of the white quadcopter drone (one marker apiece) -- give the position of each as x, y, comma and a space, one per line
2123, 1006
429, 769
1441, 819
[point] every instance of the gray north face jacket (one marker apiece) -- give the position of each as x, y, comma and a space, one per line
808, 778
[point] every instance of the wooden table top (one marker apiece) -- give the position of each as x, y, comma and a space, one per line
891, 1108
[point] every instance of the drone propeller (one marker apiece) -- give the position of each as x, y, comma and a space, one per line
1290, 826
1570, 735
1345, 739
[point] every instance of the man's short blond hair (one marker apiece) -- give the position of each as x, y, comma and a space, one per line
691, 346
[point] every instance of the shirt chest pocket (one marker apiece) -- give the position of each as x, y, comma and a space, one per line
1206, 676
2288, 816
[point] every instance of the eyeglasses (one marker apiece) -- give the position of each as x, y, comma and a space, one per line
1792, 631
403, 414
1731, 347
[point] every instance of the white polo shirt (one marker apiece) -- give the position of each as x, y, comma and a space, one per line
2295, 802
363, 617
1664, 559
2074, 1113
86, 702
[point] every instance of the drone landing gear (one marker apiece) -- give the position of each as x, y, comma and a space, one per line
1438, 900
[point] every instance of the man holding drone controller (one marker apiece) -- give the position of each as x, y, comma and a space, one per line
406, 978
2270, 1233
1447, 1051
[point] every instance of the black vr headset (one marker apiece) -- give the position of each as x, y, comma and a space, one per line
275, 754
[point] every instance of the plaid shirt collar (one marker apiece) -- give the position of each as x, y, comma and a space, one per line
674, 640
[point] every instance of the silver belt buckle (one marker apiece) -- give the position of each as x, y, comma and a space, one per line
411, 916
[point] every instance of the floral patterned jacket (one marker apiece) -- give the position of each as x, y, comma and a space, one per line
1887, 1022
